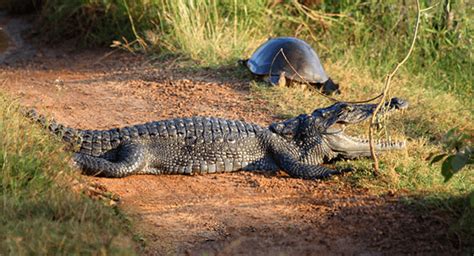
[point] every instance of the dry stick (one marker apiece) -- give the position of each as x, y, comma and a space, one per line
385, 91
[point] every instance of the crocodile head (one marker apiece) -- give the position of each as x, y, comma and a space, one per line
323, 132
334, 119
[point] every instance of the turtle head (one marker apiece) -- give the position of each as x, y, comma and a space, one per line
242, 62
330, 88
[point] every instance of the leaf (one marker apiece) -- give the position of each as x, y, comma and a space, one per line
451, 132
463, 137
446, 170
450, 139
437, 158
469, 152
458, 162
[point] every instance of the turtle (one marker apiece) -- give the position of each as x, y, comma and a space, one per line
289, 58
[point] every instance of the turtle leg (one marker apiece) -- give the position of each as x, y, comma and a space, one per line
282, 79
329, 87
277, 80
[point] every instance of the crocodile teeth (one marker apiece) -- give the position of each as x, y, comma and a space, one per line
381, 142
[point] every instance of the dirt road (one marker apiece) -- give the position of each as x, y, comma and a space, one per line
223, 214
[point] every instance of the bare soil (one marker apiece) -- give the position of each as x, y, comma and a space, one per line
222, 214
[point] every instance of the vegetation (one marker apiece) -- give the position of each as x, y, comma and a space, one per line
423, 125
358, 41
368, 33
39, 214
457, 153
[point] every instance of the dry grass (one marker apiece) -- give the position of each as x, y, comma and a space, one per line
206, 31
40, 212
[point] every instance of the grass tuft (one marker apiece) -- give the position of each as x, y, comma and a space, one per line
209, 32
39, 212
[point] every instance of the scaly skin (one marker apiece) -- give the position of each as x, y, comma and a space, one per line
200, 145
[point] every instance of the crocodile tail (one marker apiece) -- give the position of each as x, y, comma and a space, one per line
69, 135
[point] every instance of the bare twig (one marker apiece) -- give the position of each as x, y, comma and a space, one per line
318, 16
388, 79
132, 24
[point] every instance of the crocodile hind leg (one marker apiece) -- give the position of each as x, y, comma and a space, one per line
308, 172
129, 158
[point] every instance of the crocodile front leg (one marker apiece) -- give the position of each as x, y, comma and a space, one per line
305, 171
286, 156
130, 158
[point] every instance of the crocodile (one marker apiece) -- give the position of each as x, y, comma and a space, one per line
298, 146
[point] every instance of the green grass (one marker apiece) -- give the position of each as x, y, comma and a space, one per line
40, 213
210, 32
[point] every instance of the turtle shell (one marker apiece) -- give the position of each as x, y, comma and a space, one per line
301, 63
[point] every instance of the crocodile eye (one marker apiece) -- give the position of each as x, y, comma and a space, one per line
348, 107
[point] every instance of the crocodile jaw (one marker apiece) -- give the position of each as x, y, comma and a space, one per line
350, 147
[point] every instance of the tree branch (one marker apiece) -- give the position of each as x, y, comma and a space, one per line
388, 79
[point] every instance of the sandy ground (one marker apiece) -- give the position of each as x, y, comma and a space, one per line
222, 214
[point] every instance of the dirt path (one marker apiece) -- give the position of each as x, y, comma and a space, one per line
240, 213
